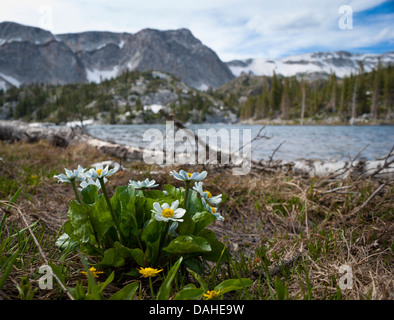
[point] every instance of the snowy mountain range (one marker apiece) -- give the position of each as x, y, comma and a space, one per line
312, 65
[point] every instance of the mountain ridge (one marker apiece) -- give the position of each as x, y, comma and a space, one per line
312, 65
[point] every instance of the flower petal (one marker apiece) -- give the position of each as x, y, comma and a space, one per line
175, 205
157, 207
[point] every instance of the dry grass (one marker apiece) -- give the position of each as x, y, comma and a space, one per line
309, 226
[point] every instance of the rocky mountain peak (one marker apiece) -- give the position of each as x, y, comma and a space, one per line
14, 32
94, 56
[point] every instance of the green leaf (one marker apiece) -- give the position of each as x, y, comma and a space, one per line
218, 252
89, 194
188, 244
65, 242
189, 294
165, 288
172, 191
126, 293
156, 194
79, 221
202, 220
100, 216
137, 255
112, 258
101, 286
127, 221
194, 203
151, 236
186, 227
233, 284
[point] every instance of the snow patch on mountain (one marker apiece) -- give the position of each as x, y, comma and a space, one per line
10, 80
98, 76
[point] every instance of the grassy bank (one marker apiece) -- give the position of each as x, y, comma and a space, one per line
289, 234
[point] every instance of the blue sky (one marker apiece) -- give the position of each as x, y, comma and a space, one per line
234, 29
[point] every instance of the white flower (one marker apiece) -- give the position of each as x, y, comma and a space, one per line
215, 200
186, 176
143, 184
212, 210
70, 175
166, 213
100, 172
84, 184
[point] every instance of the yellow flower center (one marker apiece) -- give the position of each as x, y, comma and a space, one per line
99, 172
167, 213
213, 209
149, 272
189, 174
211, 294
209, 195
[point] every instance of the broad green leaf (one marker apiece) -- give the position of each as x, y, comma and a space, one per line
89, 194
165, 288
151, 231
137, 255
156, 194
202, 220
112, 258
189, 294
195, 264
151, 236
128, 222
194, 203
172, 191
218, 252
79, 219
65, 242
100, 216
126, 293
188, 244
187, 226
233, 284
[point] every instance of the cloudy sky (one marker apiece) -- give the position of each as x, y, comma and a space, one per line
234, 29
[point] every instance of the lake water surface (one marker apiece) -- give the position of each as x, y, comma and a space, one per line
327, 143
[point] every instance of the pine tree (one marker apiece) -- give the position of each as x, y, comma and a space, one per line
275, 95
285, 104
303, 97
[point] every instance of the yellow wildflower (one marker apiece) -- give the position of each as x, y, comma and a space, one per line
149, 272
211, 294
93, 272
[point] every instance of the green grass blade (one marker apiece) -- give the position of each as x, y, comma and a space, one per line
8, 265
165, 288
14, 197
